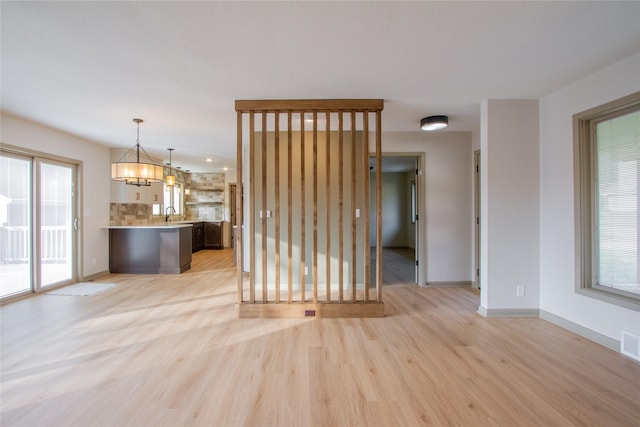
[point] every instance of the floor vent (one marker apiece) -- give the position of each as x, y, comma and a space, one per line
630, 345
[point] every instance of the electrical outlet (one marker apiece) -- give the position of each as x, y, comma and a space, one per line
306, 271
520, 291
93, 262
357, 213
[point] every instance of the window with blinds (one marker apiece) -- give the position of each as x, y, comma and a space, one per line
617, 192
607, 164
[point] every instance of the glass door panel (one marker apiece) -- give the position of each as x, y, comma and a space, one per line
56, 216
15, 221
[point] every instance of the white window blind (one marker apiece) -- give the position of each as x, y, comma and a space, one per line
618, 198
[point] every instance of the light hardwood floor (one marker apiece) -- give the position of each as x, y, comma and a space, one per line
167, 350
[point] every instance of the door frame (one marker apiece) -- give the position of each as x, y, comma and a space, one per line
476, 223
36, 158
421, 229
37, 162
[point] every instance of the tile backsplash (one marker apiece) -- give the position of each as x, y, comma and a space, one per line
204, 201
130, 214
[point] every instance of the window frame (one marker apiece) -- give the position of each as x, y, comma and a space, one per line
585, 164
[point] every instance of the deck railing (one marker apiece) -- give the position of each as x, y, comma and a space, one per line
15, 244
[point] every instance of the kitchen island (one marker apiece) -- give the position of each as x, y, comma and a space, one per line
150, 249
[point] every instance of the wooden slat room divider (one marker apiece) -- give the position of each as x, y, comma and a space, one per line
307, 217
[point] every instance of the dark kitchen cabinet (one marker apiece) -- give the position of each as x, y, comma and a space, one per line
197, 240
213, 235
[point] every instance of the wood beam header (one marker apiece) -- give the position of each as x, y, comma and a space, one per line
371, 105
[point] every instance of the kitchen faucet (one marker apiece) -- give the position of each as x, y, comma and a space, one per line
167, 214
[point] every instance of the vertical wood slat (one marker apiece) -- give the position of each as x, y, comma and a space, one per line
360, 202
276, 214
328, 204
252, 198
264, 230
378, 206
341, 206
238, 208
289, 209
315, 206
303, 244
365, 235
354, 220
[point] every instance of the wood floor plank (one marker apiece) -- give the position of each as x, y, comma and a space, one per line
169, 350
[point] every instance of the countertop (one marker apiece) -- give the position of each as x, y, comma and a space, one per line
159, 225
170, 224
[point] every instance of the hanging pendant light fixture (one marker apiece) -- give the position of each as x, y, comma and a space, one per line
170, 179
133, 171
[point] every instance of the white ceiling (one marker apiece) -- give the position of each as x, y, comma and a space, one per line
89, 68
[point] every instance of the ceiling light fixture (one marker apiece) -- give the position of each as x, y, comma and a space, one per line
170, 179
434, 122
134, 171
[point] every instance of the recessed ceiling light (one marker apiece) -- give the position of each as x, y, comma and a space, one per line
225, 169
209, 159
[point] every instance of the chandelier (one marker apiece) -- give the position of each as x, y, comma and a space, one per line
136, 167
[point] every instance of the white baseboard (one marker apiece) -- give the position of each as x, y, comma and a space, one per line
94, 276
556, 320
450, 284
581, 330
509, 312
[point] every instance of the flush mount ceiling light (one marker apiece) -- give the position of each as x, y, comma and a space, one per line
170, 179
136, 168
434, 122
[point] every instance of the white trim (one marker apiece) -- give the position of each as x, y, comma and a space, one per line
508, 312
450, 284
581, 330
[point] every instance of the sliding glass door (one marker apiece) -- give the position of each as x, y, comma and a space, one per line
38, 223
55, 220
15, 225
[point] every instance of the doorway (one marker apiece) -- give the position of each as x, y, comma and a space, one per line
400, 218
38, 223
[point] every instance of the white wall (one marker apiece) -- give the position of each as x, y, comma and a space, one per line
446, 253
397, 228
95, 180
509, 218
557, 253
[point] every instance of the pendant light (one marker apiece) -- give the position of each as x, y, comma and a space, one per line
136, 168
170, 179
